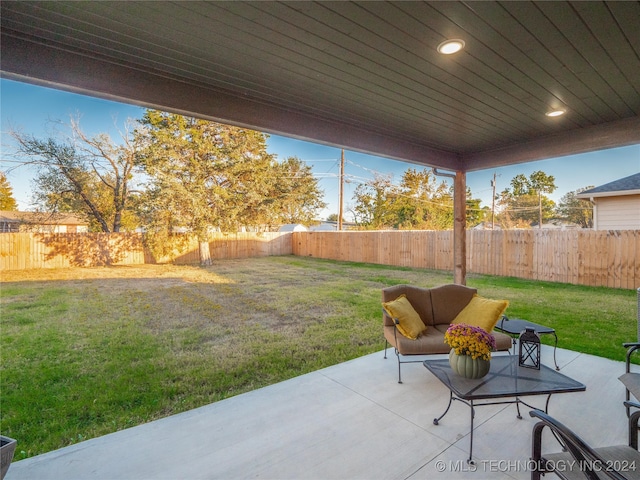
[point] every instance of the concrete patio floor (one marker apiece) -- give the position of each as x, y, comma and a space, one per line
352, 420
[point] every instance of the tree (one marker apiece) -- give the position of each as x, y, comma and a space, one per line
572, 209
422, 202
525, 200
200, 175
293, 195
373, 203
81, 174
419, 202
7, 202
475, 214
205, 176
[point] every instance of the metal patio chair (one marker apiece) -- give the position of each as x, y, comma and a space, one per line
578, 460
631, 380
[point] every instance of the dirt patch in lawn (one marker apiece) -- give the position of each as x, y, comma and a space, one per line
273, 294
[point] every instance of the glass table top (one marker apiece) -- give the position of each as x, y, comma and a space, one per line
505, 379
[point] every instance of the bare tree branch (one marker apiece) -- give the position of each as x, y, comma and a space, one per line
71, 176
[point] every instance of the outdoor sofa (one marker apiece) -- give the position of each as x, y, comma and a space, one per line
437, 308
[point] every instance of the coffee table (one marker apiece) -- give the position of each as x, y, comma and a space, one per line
515, 326
506, 382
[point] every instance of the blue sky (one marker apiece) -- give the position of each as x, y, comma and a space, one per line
31, 109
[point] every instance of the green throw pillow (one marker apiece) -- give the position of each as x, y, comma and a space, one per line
482, 312
410, 324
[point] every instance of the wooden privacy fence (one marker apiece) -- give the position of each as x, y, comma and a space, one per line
20, 251
23, 251
235, 245
607, 258
405, 248
584, 257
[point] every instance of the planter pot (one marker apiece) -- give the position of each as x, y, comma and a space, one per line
7, 447
467, 367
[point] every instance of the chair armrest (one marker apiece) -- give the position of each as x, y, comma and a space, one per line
395, 320
579, 450
631, 347
632, 403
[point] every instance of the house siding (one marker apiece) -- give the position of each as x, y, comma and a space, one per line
15, 221
617, 213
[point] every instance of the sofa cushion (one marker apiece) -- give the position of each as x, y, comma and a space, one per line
430, 342
482, 312
409, 323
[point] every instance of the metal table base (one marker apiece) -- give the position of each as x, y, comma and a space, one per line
472, 405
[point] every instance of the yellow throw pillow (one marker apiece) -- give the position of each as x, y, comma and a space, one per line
482, 312
410, 324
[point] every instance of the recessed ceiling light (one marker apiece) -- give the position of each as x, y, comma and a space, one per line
451, 46
556, 112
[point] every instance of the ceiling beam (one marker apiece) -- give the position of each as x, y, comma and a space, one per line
597, 137
31, 61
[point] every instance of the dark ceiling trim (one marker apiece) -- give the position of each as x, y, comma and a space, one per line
598, 137
30, 61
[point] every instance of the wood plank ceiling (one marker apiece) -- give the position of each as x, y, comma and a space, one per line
360, 75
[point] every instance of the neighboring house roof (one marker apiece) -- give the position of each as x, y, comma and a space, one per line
40, 218
323, 227
556, 225
625, 186
486, 226
293, 227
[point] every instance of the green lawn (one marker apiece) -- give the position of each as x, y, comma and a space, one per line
90, 351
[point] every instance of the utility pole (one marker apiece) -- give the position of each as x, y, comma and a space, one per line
539, 209
341, 191
493, 201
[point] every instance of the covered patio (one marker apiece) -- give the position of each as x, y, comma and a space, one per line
351, 420
365, 76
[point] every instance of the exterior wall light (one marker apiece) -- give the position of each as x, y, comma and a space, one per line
451, 46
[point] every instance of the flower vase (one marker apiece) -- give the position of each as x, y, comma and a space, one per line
468, 367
